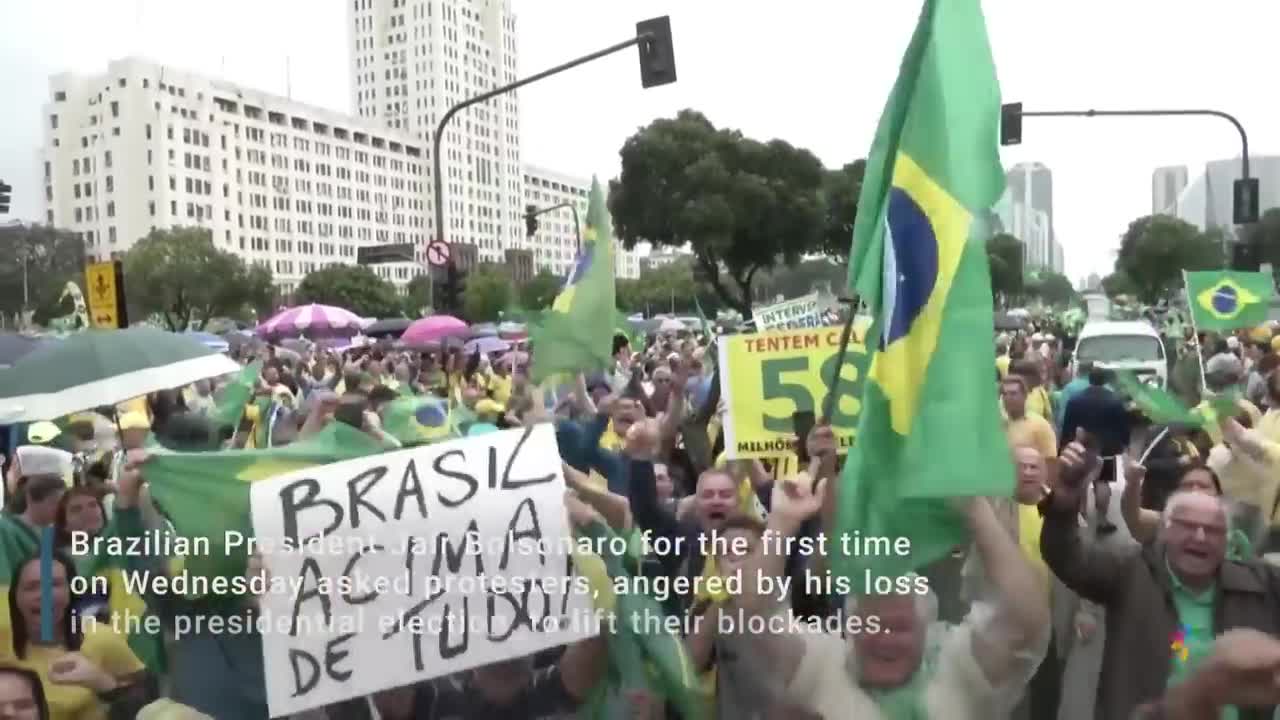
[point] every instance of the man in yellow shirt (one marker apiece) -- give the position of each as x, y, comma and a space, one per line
1021, 427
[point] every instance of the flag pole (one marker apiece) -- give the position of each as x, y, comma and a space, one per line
828, 403
1195, 332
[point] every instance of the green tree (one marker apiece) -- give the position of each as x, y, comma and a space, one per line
50, 257
741, 205
488, 293
259, 291
1157, 248
541, 290
1004, 253
180, 275
840, 190
352, 287
417, 296
1054, 288
1117, 284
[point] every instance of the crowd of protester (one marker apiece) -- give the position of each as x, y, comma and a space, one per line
1126, 571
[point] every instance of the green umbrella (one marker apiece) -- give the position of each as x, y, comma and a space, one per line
103, 367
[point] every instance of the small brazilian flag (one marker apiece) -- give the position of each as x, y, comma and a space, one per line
919, 263
1225, 300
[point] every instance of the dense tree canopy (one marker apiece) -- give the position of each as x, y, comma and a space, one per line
417, 296
1157, 248
487, 294
353, 287
741, 205
840, 190
51, 258
541, 290
1049, 287
1117, 284
1004, 253
180, 275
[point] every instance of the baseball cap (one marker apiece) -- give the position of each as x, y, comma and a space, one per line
42, 432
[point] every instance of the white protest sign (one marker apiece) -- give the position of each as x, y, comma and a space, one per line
400, 567
801, 312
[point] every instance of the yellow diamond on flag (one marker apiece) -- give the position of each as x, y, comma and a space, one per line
270, 467
1226, 299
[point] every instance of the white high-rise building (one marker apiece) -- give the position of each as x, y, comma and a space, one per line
1167, 183
555, 244
1031, 184
1207, 201
413, 59
286, 185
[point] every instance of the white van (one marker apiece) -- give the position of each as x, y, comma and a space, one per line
1133, 345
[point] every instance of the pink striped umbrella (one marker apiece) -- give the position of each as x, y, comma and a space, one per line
312, 321
434, 329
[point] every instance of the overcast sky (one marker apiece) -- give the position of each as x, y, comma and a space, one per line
814, 72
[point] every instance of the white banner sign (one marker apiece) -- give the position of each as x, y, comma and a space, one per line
802, 312
400, 567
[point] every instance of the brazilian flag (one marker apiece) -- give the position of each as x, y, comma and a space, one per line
577, 333
418, 420
919, 263
204, 494
1225, 300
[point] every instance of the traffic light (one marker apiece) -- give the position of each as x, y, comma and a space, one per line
531, 220
1011, 124
451, 289
657, 56
5, 189
1244, 201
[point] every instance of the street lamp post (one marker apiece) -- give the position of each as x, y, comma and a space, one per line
657, 67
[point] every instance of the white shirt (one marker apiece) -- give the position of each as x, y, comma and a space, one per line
958, 690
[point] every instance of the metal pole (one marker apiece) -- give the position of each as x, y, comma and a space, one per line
482, 97
1244, 139
577, 227
577, 230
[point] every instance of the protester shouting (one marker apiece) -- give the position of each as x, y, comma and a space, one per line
88, 666
913, 667
1165, 602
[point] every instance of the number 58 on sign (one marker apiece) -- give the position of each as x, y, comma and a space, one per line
768, 377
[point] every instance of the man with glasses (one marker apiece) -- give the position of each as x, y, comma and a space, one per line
1165, 602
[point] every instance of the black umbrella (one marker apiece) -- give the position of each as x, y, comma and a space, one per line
391, 327
14, 346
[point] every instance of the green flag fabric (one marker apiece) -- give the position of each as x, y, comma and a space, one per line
577, 335
640, 655
1227, 300
229, 410
205, 494
1164, 408
919, 263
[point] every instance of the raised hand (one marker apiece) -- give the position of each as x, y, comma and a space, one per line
76, 669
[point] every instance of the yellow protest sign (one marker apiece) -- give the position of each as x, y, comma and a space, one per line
100, 281
766, 378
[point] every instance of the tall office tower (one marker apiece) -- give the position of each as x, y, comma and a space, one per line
411, 60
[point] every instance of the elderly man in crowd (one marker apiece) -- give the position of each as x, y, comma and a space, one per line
904, 664
1165, 602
